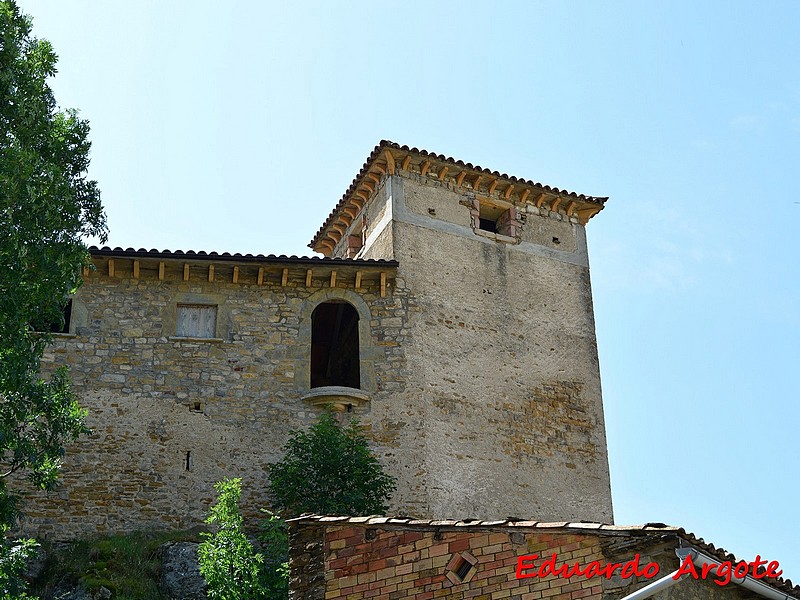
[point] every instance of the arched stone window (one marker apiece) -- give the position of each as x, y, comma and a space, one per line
335, 356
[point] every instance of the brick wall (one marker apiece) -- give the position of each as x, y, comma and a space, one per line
403, 559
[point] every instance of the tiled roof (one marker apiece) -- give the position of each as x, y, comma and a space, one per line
227, 256
784, 585
379, 150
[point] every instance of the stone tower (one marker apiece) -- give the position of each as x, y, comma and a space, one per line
502, 413
451, 313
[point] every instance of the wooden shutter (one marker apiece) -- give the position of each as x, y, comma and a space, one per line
196, 320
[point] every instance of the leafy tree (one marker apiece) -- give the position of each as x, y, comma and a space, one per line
330, 470
47, 207
228, 561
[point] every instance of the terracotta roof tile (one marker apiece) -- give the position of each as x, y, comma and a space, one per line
228, 257
386, 144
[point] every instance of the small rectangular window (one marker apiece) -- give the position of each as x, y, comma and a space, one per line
196, 321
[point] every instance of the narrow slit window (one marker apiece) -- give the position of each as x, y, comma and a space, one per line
335, 359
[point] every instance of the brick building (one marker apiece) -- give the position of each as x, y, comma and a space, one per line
337, 558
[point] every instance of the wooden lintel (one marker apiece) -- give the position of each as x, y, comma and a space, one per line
260, 275
524, 196
460, 178
423, 169
235, 274
380, 169
476, 185
211, 272
335, 235
374, 177
443, 172
357, 202
383, 284
161, 270
349, 212
186, 271
367, 185
540, 200
554, 204
284, 277
309, 273
507, 193
136, 269
360, 194
492, 187
333, 279
571, 207
110, 267
358, 280
389, 161
406, 162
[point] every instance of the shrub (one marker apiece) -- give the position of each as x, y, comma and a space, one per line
330, 470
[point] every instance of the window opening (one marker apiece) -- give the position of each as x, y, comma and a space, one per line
196, 321
488, 217
334, 346
57, 325
463, 569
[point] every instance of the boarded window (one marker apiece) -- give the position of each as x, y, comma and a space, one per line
197, 321
334, 346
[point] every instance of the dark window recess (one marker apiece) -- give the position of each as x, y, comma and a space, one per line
488, 218
334, 346
463, 569
57, 325
487, 225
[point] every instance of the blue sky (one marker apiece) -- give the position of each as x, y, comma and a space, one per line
237, 126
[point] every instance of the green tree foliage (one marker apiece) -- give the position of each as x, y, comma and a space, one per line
13, 558
228, 561
274, 538
47, 207
330, 470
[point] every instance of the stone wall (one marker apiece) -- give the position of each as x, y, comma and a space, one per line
503, 405
478, 358
169, 416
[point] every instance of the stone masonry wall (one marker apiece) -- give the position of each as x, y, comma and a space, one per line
505, 401
171, 417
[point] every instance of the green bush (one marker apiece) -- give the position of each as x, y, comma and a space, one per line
330, 470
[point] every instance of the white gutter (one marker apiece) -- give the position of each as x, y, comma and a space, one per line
699, 559
754, 585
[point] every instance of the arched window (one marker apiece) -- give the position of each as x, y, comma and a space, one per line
334, 346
